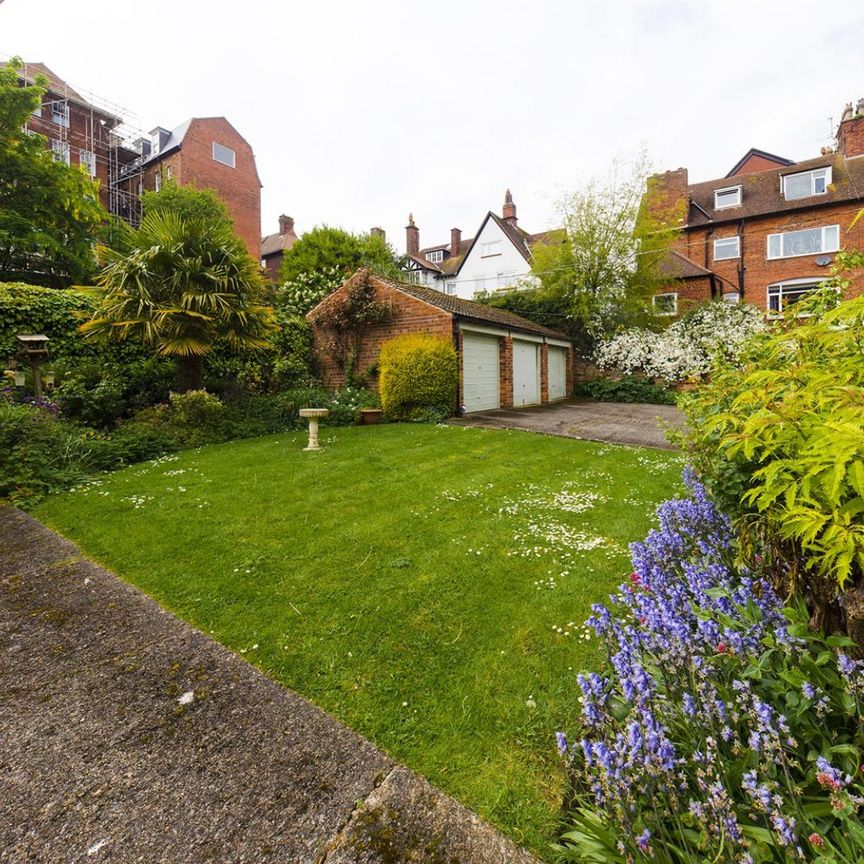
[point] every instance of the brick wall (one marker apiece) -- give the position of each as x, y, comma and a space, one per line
238, 187
544, 373
273, 268
753, 270
407, 315
505, 371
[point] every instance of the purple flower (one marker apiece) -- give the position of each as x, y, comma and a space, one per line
561, 740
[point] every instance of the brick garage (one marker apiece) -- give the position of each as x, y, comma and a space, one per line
484, 338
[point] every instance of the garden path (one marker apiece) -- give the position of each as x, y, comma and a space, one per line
127, 735
612, 422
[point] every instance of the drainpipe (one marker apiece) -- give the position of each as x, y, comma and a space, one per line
741, 267
705, 256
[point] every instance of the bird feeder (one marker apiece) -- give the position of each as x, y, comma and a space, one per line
33, 350
313, 415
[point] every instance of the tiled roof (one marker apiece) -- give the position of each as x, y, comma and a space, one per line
30, 71
754, 151
761, 194
273, 243
469, 309
677, 266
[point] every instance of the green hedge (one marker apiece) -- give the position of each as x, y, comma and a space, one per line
626, 389
419, 375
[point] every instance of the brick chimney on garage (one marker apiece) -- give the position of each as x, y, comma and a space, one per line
286, 225
412, 236
509, 210
455, 241
850, 133
378, 232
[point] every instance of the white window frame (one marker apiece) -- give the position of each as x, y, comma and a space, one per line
673, 295
60, 113
436, 256
60, 151
37, 111
726, 241
87, 158
169, 173
725, 191
450, 286
232, 163
815, 174
479, 283
821, 251
157, 181
777, 289
490, 248
731, 297
504, 279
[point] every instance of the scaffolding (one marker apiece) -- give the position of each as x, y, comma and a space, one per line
111, 139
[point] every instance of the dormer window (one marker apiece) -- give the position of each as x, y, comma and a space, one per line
436, 256
729, 197
806, 183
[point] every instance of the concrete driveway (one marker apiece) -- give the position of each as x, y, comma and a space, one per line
612, 422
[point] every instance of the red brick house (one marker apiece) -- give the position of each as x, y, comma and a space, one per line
207, 152
504, 359
273, 246
767, 232
77, 131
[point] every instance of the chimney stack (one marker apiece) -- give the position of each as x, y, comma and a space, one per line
378, 232
850, 133
412, 236
286, 225
509, 211
455, 241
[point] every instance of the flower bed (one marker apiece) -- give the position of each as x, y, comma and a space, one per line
721, 728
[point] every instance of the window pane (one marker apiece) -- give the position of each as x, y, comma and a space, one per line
819, 184
797, 186
774, 245
726, 248
802, 242
832, 238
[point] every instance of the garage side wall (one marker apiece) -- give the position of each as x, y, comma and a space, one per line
407, 315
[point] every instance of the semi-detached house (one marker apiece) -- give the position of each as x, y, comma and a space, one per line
767, 232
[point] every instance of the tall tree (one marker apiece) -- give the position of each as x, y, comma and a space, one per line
50, 213
607, 263
322, 259
180, 285
187, 202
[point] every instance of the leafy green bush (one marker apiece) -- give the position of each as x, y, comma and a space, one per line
778, 439
418, 373
626, 389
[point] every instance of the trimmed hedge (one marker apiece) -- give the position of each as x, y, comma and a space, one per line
419, 376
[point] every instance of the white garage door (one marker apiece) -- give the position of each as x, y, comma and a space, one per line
480, 391
526, 373
557, 373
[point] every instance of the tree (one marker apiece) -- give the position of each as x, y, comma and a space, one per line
50, 213
606, 264
180, 285
187, 202
322, 259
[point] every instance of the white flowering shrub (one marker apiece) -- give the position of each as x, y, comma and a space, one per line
684, 350
307, 290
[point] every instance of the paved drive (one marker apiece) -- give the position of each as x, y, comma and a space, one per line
613, 422
128, 736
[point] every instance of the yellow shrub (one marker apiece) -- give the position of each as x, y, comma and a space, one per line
419, 375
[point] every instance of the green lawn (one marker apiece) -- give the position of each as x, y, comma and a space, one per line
424, 584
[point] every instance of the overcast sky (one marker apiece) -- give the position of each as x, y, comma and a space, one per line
359, 112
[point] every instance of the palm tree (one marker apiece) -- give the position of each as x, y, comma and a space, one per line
180, 285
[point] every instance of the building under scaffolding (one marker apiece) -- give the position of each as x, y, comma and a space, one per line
91, 132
